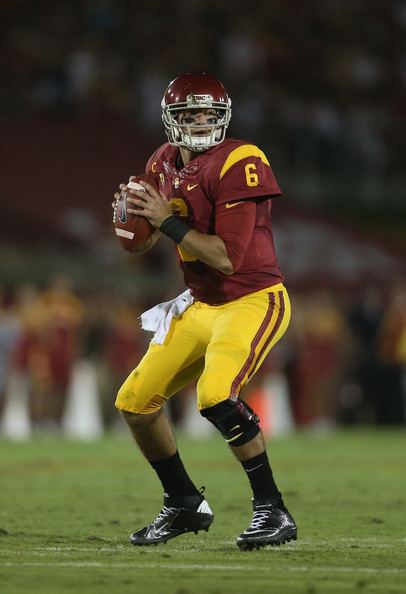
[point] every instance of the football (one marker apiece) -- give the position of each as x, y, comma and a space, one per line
132, 231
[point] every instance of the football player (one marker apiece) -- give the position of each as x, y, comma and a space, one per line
214, 203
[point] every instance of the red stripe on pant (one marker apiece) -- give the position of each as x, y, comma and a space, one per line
274, 331
254, 344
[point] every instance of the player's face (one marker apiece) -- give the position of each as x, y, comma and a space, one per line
199, 121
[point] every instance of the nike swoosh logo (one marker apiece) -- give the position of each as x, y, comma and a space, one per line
252, 469
232, 204
191, 187
158, 531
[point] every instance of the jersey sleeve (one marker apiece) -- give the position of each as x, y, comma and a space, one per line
235, 226
246, 173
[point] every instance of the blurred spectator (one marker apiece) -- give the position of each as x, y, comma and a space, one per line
391, 339
318, 367
375, 391
365, 320
123, 346
48, 347
59, 336
10, 333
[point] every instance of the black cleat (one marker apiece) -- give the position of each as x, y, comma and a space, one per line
177, 516
271, 524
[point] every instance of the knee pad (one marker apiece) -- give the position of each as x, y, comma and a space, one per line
235, 420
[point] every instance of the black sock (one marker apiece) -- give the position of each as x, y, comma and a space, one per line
260, 475
173, 476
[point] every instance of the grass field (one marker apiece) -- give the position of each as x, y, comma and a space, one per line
67, 509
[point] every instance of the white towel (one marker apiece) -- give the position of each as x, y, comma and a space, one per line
158, 319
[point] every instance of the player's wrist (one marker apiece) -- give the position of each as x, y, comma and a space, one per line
174, 227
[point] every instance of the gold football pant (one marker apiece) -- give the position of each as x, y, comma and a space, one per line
222, 345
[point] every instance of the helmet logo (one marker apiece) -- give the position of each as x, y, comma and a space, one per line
199, 100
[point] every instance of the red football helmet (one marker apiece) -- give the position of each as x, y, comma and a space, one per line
195, 90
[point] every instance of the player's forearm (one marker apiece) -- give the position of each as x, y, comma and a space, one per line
209, 249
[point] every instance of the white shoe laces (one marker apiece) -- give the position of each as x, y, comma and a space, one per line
162, 514
259, 518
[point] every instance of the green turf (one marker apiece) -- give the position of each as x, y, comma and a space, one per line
66, 510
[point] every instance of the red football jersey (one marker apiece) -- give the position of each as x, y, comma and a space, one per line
224, 191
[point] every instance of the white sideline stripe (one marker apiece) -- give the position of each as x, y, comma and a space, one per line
299, 545
207, 567
124, 233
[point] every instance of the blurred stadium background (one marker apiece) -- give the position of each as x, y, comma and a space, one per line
319, 85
